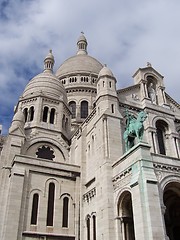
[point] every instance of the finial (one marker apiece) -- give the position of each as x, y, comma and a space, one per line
49, 62
105, 65
149, 64
82, 44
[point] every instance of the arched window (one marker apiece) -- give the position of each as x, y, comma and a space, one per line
112, 108
88, 228
72, 106
171, 199
34, 212
84, 109
161, 128
94, 227
65, 212
25, 114
125, 213
66, 124
45, 114
63, 122
31, 113
50, 209
52, 115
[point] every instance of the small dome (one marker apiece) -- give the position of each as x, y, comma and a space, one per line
49, 62
47, 84
19, 116
82, 38
50, 55
18, 121
105, 71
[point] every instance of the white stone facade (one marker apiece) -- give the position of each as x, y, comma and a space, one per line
64, 171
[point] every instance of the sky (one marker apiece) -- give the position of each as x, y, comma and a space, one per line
124, 34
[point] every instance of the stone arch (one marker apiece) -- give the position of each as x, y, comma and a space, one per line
161, 130
46, 186
59, 150
157, 118
73, 106
171, 199
152, 87
67, 207
52, 115
125, 214
161, 135
88, 226
31, 113
45, 113
151, 76
84, 106
25, 111
33, 208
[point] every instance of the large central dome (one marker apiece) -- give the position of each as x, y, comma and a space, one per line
80, 63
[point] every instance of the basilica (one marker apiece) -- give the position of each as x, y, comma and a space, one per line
86, 161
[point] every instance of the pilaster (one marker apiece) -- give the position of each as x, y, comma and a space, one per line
147, 213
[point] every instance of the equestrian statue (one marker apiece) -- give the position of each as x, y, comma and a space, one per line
134, 128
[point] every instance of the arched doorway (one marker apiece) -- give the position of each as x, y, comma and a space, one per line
126, 216
171, 199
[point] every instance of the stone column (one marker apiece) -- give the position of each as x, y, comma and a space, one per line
145, 197
14, 203
143, 85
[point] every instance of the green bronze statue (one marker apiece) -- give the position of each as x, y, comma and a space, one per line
134, 128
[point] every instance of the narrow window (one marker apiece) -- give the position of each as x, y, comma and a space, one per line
110, 84
52, 115
161, 141
34, 209
94, 227
112, 108
88, 228
45, 114
161, 127
63, 121
84, 109
50, 209
25, 114
72, 106
66, 124
65, 212
31, 113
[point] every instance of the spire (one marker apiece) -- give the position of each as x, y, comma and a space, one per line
82, 44
49, 62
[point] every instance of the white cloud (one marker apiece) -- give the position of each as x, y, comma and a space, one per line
125, 34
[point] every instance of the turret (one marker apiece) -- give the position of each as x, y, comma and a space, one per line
49, 62
82, 45
106, 92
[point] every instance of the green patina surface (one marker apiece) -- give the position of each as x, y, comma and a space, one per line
134, 128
